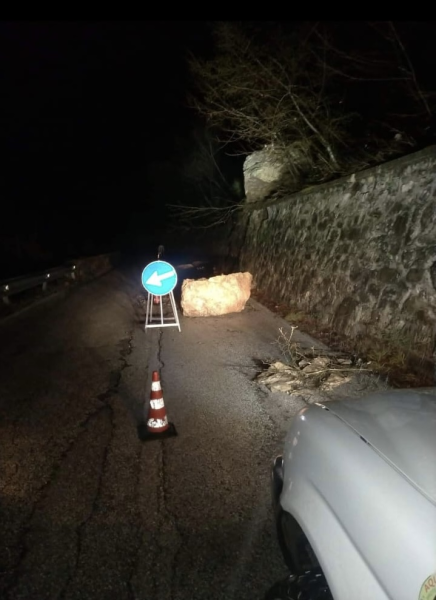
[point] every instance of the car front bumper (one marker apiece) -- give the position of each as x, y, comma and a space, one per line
276, 482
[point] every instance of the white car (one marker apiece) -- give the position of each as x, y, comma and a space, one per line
355, 499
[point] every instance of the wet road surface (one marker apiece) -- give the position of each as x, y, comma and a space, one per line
90, 511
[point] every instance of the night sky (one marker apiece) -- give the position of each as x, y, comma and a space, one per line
86, 107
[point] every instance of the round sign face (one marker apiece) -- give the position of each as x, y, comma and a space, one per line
159, 278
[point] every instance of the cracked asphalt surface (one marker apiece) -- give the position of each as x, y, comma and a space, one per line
90, 511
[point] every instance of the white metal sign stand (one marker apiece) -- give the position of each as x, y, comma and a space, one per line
159, 278
150, 317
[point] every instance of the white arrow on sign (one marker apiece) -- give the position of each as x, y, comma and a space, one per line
156, 279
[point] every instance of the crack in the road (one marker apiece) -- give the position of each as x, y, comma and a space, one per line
172, 518
80, 529
160, 503
124, 353
135, 560
159, 350
165, 515
43, 490
104, 397
42, 494
13, 423
25, 402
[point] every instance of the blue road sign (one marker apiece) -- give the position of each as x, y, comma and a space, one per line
159, 278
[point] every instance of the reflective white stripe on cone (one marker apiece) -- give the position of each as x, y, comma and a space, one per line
157, 403
158, 424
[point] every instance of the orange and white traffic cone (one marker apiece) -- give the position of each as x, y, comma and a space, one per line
157, 415
157, 421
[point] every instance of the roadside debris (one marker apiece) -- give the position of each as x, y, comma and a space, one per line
314, 374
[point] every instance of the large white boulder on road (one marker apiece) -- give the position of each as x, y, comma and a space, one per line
215, 296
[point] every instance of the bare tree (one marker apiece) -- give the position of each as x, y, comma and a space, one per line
285, 90
209, 195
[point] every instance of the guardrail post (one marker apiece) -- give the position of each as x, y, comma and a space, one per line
44, 285
5, 296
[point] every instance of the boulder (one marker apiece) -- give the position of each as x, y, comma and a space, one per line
262, 172
215, 296
268, 170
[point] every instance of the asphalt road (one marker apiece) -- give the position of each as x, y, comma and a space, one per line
88, 510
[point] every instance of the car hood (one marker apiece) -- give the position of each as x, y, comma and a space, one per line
401, 426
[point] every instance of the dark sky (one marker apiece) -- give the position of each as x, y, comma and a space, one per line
84, 107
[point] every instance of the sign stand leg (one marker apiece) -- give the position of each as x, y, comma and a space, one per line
173, 304
147, 311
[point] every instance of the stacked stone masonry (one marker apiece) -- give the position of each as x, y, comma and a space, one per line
359, 252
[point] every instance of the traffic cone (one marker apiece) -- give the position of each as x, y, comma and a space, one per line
157, 415
157, 426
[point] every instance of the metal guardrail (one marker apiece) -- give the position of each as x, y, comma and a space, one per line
8, 287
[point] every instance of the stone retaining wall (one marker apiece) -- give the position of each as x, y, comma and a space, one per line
360, 252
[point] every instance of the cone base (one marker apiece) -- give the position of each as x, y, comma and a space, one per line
145, 435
